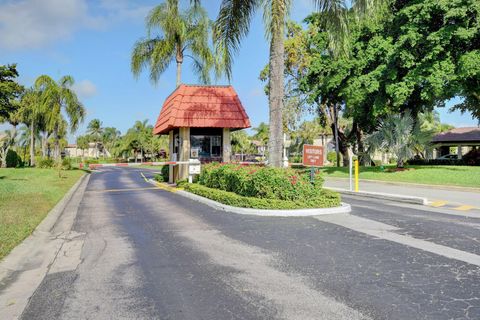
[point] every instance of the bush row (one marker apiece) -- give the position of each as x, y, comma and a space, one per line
325, 199
262, 182
444, 162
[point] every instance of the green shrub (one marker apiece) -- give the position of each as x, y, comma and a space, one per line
45, 163
158, 177
261, 182
91, 161
66, 164
325, 199
332, 157
13, 160
164, 172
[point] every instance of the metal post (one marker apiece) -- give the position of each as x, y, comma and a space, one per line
312, 175
356, 175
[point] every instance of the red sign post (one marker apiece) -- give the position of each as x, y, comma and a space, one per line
312, 155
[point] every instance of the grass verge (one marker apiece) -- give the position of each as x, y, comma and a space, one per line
26, 196
464, 176
327, 199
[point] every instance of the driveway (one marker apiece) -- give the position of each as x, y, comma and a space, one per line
147, 253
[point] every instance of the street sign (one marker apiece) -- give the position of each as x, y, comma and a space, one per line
312, 155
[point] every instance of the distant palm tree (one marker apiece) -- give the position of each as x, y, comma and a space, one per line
95, 130
7, 140
233, 24
398, 134
181, 34
109, 138
57, 98
31, 114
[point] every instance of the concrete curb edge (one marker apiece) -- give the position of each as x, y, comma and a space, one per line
344, 208
412, 184
382, 196
52, 217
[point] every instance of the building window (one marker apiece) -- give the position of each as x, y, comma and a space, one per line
205, 146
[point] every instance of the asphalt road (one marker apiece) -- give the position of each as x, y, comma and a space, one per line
152, 254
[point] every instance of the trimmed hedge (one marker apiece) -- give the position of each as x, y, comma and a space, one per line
325, 199
262, 182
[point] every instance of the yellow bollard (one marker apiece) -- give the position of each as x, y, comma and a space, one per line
356, 175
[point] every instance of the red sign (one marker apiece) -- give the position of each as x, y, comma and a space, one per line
312, 155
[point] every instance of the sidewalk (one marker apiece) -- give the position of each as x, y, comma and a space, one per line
437, 196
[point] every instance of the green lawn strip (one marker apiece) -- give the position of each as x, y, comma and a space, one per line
327, 200
26, 196
466, 176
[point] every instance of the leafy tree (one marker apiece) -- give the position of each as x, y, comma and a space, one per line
241, 142
82, 143
58, 98
181, 35
233, 24
10, 90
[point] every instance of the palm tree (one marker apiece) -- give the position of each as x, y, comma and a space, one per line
31, 114
398, 134
233, 24
7, 140
57, 98
95, 130
109, 138
82, 143
181, 35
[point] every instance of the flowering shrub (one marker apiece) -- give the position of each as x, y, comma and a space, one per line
262, 182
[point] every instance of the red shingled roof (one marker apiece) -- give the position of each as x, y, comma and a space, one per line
202, 106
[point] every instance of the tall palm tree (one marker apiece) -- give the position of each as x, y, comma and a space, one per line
181, 35
31, 114
233, 24
95, 130
58, 98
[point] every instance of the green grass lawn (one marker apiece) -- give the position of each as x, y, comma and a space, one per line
26, 196
439, 175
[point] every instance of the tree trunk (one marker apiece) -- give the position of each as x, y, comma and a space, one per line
179, 59
32, 144
56, 145
275, 97
342, 145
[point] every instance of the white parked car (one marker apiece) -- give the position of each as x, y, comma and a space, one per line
448, 157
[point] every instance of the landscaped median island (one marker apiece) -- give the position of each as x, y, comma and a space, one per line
262, 187
26, 197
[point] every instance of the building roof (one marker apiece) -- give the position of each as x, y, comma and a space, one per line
467, 134
202, 106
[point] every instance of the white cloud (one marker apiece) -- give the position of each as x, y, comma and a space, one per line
27, 24
34, 23
85, 89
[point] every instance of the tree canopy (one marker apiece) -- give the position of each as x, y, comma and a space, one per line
10, 90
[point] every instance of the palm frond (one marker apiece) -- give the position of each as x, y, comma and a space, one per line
232, 24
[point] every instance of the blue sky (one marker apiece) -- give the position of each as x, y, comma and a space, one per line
92, 40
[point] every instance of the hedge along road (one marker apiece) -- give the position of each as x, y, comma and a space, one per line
152, 254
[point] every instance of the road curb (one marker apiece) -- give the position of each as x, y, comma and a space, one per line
52, 217
344, 208
24, 268
412, 184
382, 196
